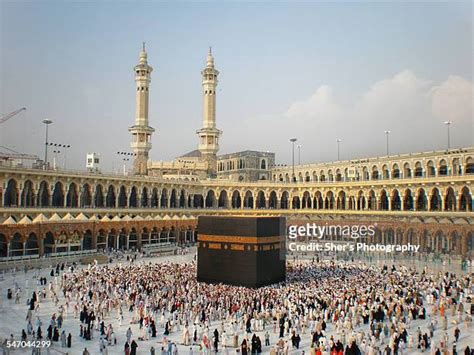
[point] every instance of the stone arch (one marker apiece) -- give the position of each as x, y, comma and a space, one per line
330, 175
375, 173
408, 200
43, 194
211, 199
450, 200
470, 243
351, 203
385, 172
338, 175
300, 177
341, 200
329, 200
435, 200
32, 245
102, 240
145, 236
389, 235
49, 243
223, 199
248, 199
164, 199
182, 199
261, 203
361, 203
318, 200
86, 196
3, 246
372, 200
365, 173
58, 195
173, 199
154, 201
396, 171
133, 239
236, 199
198, 201
122, 197
430, 168
396, 202
133, 199
27, 195
273, 200
87, 240
306, 201
284, 203
99, 196
421, 200
72, 197
383, 202
465, 200
455, 242
123, 239
11, 194
443, 168
322, 176
110, 200
407, 173
296, 202
456, 164
418, 169
16, 245
469, 167
144, 200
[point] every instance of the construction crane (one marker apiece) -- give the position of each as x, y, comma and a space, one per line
11, 114
8, 155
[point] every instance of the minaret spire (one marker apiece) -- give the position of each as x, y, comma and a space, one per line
209, 134
141, 130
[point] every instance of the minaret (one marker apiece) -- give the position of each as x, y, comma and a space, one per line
141, 131
209, 134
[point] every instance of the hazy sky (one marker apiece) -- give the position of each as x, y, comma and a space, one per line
316, 71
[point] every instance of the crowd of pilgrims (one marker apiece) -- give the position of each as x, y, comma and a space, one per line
338, 307
370, 308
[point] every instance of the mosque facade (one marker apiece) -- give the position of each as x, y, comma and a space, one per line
423, 197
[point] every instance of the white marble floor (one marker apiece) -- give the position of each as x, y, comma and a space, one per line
12, 321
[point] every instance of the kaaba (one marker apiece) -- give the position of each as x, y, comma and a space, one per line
242, 251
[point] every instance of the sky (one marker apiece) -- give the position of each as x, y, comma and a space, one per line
317, 71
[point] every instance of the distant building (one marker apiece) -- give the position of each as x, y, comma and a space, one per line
92, 162
200, 163
249, 165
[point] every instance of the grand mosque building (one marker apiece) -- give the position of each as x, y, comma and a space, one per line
421, 198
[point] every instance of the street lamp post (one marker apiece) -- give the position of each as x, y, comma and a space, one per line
47, 123
55, 152
448, 124
293, 140
387, 133
125, 158
338, 148
66, 147
299, 154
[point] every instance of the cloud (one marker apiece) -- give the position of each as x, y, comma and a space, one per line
320, 104
412, 108
453, 100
